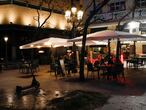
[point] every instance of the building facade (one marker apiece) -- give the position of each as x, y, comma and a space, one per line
21, 20
130, 14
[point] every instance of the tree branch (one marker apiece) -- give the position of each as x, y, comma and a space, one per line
50, 13
85, 34
38, 18
131, 11
90, 4
46, 19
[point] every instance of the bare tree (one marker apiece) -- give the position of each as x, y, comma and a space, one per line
95, 10
38, 17
76, 25
39, 21
87, 22
131, 10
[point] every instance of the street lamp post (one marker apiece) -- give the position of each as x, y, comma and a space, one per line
74, 16
6, 51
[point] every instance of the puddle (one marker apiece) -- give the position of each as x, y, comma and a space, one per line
29, 100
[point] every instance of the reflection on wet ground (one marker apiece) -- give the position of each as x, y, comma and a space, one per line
28, 100
134, 85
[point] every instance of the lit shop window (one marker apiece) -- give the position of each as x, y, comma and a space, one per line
117, 6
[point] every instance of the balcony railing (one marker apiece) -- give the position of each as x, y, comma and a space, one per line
139, 14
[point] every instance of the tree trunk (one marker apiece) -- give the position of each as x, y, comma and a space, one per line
109, 49
87, 22
118, 50
118, 28
82, 77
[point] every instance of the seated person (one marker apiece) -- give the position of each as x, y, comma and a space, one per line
96, 63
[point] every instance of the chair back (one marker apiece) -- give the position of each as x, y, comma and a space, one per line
119, 68
90, 66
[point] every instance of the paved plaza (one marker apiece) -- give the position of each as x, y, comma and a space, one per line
129, 94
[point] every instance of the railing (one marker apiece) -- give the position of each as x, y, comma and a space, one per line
115, 16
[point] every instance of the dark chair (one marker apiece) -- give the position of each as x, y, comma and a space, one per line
118, 70
97, 68
55, 68
71, 67
109, 71
23, 68
140, 63
90, 68
34, 66
52, 67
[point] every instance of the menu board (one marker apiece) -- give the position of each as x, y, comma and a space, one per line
62, 65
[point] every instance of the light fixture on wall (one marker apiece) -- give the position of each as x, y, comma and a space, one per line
41, 51
133, 26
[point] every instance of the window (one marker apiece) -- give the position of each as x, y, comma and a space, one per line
117, 6
144, 49
141, 3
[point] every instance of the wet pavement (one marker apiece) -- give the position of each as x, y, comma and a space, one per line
125, 103
29, 99
129, 94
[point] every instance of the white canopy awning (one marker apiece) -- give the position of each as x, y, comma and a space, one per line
91, 42
110, 34
47, 42
57, 42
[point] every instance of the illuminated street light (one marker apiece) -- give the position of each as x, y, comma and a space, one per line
5, 39
73, 16
6, 53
